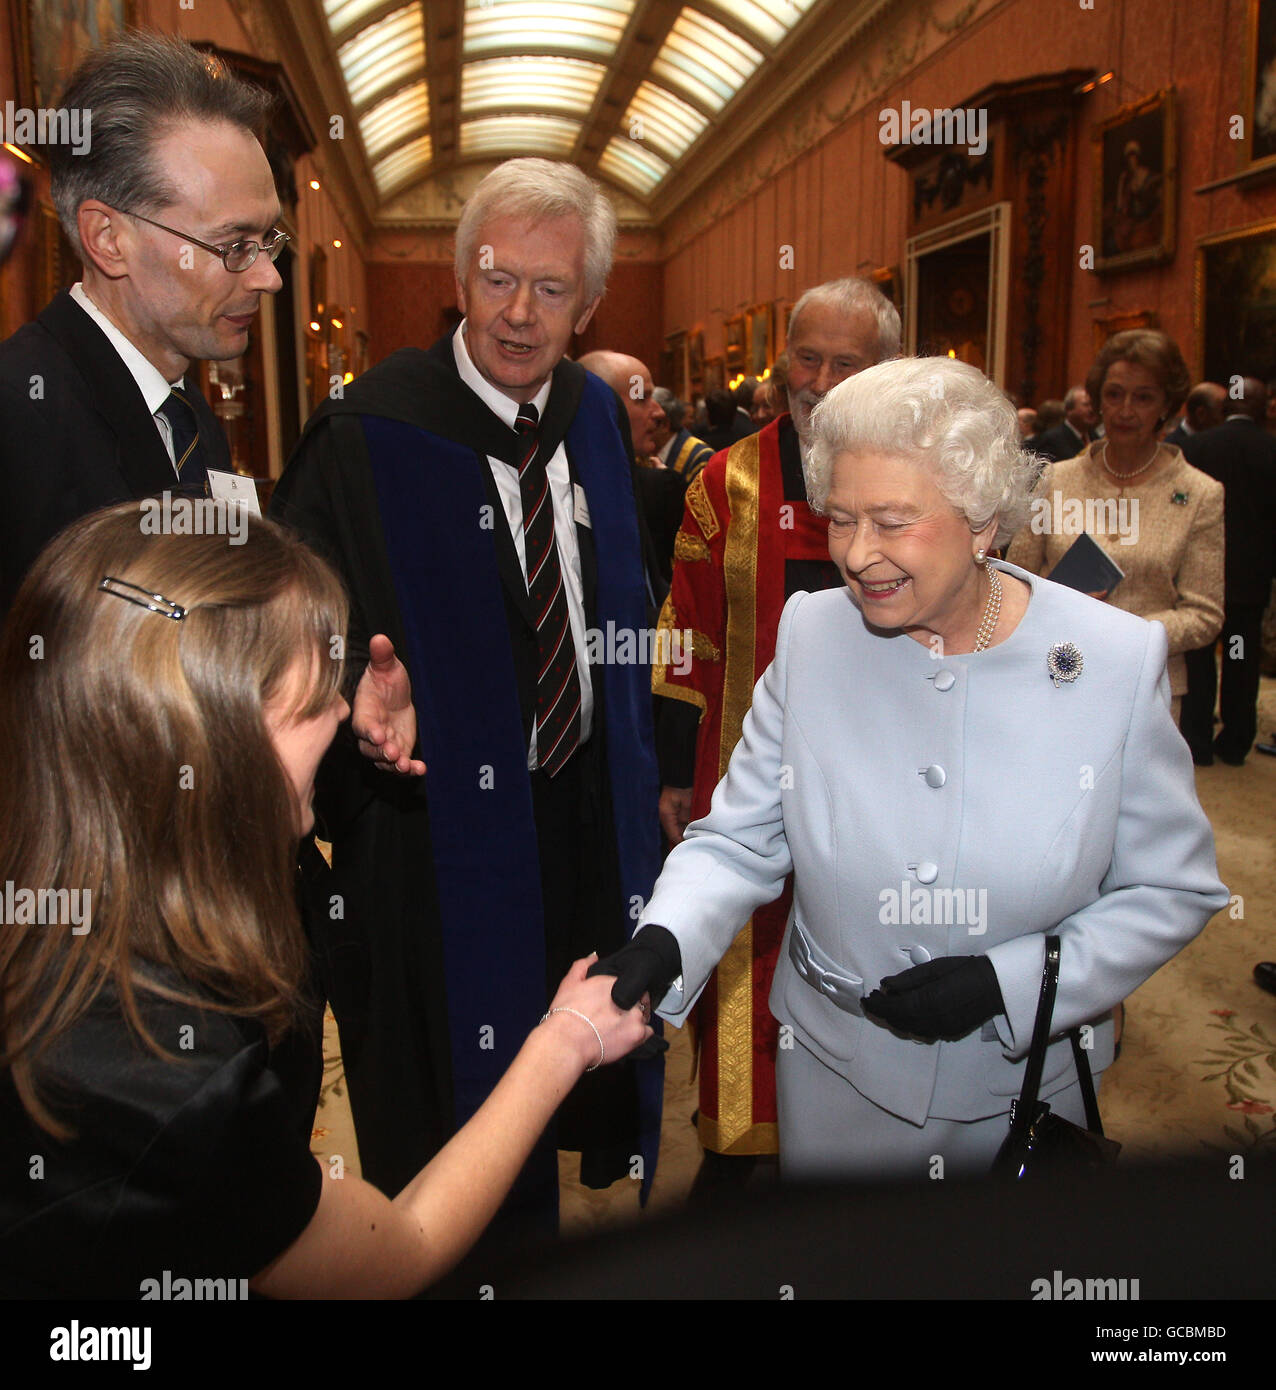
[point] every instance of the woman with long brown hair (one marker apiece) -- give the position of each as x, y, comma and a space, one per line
164, 704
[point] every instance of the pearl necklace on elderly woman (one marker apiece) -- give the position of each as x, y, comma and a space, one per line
1132, 473
992, 609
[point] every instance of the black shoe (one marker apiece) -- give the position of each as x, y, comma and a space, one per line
1265, 975
1229, 758
1205, 759
1268, 748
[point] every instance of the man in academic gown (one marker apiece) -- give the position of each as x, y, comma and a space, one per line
458, 902
748, 542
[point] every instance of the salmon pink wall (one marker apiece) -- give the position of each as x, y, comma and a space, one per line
817, 179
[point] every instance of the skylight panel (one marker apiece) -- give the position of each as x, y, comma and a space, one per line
565, 85
769, 19
389, 121
576, 26
384, 54
518, 135
345, 14
704, 60
403, 165
664, 120
632, 165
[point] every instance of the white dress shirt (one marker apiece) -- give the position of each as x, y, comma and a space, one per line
150, 380
560, 488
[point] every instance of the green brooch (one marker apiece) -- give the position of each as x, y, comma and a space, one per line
1179, 499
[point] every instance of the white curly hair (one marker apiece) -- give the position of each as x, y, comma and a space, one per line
935, 411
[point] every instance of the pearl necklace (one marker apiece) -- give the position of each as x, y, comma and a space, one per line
992, 611
1123, 478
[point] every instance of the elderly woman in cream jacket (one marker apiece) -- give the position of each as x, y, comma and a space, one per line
956, 758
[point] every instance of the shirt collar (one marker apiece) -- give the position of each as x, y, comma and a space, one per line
150, 380
496, 401
663, 454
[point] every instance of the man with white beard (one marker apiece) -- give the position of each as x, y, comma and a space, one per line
748, 541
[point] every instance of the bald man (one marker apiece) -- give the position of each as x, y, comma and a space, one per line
631, 381
1203, 410
659, 491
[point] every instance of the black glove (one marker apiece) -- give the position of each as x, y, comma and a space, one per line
945, 998
647, 964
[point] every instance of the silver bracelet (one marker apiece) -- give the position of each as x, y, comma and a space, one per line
602, 1050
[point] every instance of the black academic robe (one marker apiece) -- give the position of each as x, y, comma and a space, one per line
75, 434
383, 954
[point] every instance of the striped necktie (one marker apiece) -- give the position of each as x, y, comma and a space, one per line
558, 683
188, 457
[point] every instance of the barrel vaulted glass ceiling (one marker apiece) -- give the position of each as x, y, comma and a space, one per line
626, 87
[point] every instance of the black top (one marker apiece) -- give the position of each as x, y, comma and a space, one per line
1242, 456
199, 1165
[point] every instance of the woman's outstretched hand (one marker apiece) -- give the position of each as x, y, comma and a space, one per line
619, 1030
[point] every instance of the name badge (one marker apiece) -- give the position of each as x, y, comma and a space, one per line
231, 487
580, 507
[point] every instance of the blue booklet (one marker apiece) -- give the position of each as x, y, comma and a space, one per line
1088, 567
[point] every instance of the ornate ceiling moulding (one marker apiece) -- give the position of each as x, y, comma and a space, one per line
438, 199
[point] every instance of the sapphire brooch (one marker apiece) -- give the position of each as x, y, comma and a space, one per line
1064, 662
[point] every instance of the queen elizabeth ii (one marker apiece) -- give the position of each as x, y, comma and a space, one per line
956, 758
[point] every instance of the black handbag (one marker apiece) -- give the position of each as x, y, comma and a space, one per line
1040, 1143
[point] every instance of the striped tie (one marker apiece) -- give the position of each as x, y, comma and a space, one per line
558, 685
188, 457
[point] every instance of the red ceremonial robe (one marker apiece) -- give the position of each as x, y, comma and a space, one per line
728, 590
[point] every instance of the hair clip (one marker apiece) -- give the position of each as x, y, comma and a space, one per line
153, 603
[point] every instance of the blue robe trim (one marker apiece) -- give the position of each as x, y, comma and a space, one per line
432, 502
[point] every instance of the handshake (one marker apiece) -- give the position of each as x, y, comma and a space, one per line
645, 966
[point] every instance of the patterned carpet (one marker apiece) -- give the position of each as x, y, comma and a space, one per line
1197, 1070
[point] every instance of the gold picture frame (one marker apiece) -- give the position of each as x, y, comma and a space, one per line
759, 340
1135, 184
1259, 104
1233, 311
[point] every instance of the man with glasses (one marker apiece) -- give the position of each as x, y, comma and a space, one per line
172, 211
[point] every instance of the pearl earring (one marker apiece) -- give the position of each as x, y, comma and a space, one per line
980, 556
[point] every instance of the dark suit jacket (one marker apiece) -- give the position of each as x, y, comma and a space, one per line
1058, 442
1178, 436
75, 434
1242, 456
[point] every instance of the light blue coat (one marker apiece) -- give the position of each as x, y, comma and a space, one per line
880, 773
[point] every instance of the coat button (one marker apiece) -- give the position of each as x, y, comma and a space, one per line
925, 872
934, 774
944, 680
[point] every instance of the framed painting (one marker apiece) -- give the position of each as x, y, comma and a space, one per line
887, 279
715, 376
1234, 303
758, 336
781, 312
1135, 184
54, 35
673, 363
735, 337
1259, 104
695, 361
1119, 323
